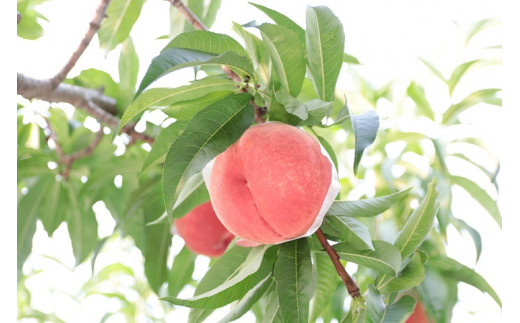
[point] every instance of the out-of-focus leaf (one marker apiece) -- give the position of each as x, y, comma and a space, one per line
181, 271
376, 309
325, 45
411, 276
433, 69
29, 26
166, 96
245, 303
206, 41
385, 258
99, 80
257, 266
438, 295
208, 134
416, 93
185, 110
326, 285
312, 112
480, 26
54, 206
366, 207
292, 273
128, 66
176, 58
451, 268
278, 112
60, 124
282, 20
121, 17
480, 195
475, 235
27, 214
458, 73
349, 59
162, 142
287, 54
82, 225
157, 244
328, 148
349, 230
399, 311
419, 223
488, 96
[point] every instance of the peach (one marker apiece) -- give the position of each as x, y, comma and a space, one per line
418, 315
202, 231
273, 185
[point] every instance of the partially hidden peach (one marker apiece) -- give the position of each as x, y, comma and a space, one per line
202, 231
418, 315
273, 185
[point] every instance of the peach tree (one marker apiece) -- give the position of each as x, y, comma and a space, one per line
252, 132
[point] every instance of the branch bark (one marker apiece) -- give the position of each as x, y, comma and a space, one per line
91, 101
352, 287
95, 24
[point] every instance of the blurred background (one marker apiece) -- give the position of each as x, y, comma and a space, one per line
405, 49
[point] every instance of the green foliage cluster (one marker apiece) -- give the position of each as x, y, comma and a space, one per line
293, 73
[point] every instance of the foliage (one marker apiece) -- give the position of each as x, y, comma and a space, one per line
293, 72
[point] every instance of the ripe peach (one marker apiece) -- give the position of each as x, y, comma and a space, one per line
273, 185
202, 231
418, 315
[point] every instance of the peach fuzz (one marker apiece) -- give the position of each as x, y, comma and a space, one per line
273, 185
202, 231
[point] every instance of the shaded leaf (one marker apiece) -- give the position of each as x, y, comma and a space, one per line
325, 45
278, 112
157, 244
185, 110
326, 285
385, 258
366, 207
162, 143
208, 134
411, 276
54, 206
438, 295
312, 112
181, 271
399, 311
376, 309
348, 229
365, 127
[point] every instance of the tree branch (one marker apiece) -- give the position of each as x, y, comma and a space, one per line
352, 288
197, 24
91, 101
95, 24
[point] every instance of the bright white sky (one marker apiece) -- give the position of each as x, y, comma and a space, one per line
386, 36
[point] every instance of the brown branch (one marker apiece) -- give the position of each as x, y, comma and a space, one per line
95, 24
352, 288
197, 24
18, 17
91, 101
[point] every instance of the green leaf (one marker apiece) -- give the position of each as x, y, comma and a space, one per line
99, 80
158, 240
193, 194
27, 214
208, 134
411, 276
480, 26
376, 309
349, 230
326, 285
54, 206
311, 111
385, 258
282, 20
166, 96
475, 235
451, 268
60, 125
433, 69
29, 26
185, 110
488, 96
419, 223
287, 54
248, 300
292, 273
256, 50
416, 93
181, 271
349, 59
128, 66
480, 195
438, 295
328, 148
176, 58
206, 41
399, 311
82, 226
325, 45
121, 17
162, 143
458, 73
367, 207
278, 112
256, 268
365, 127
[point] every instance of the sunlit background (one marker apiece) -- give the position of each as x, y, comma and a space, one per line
388, 37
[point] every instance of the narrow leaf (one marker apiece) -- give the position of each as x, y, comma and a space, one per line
366, 207
480, 26
326, 285
282, 20
488, 96
480, 195
416, 93
458, 73
418, 225
54, 206
128, 66
162, 143
453, 269
325, 45
287, 55
349, 230
385, 258
349, 59
206, 41
181, 271
475, 235
292, 273
158, 240
376, 309
399, 311
121, 17
208, 134
411, 276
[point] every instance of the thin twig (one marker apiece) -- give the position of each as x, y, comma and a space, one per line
352, 288
95, 24
197, 24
